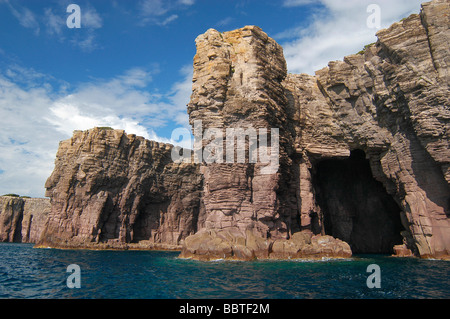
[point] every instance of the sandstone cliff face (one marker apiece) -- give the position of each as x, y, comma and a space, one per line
22, 219
250, 212
111, 188
237, 83
391, 102
364, 152
362, 163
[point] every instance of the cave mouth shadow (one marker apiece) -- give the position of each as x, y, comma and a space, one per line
356, 207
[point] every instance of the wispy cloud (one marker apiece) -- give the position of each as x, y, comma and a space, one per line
187, 2
90, 18
296, 3
169, 19
153, 7
55, 23
53, 20
27, 77
224, 21
85, 38
86, 42
25, 16
159, 12
337, 30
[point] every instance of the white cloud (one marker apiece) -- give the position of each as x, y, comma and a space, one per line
35, 115
169, 19
27, 143
180, 96
153, 8
224, 22
86, 39
337, 30
86, 42
118, 102
68, 117
54, 21
25, 76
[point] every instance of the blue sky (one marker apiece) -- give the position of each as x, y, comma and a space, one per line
129, 66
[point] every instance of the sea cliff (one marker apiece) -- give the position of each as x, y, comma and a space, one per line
362, 158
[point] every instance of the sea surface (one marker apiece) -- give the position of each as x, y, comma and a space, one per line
27, 272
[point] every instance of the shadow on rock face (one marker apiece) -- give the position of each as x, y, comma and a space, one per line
357, 208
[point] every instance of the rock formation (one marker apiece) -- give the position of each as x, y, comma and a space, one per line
364, 152
109, 189
392, 103
362, 163
237, 83
22, 220
231, 243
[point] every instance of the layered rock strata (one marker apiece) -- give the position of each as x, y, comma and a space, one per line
362, 162
237, 83
389, 104
251, 211
22, 220
233, 244
110, 189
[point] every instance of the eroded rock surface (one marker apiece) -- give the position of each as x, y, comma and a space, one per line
389, 104
22, 220
232, 244
116, 189
237, 83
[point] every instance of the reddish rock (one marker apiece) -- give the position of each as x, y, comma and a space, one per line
363, 158
113, 189
389, 104
392, 103
402, 251
231, 244
22, 220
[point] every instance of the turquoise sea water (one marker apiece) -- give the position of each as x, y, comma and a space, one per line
26, 272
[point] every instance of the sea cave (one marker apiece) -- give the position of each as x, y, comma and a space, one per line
356, 207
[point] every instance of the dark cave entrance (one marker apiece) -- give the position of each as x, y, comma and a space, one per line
356, 207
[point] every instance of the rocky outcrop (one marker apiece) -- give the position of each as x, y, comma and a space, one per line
364, 151
391, 102
237, 83
232, 244
22, 219
113, 190
353, 159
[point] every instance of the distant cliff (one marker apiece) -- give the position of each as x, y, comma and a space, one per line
22, 220
363, 159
